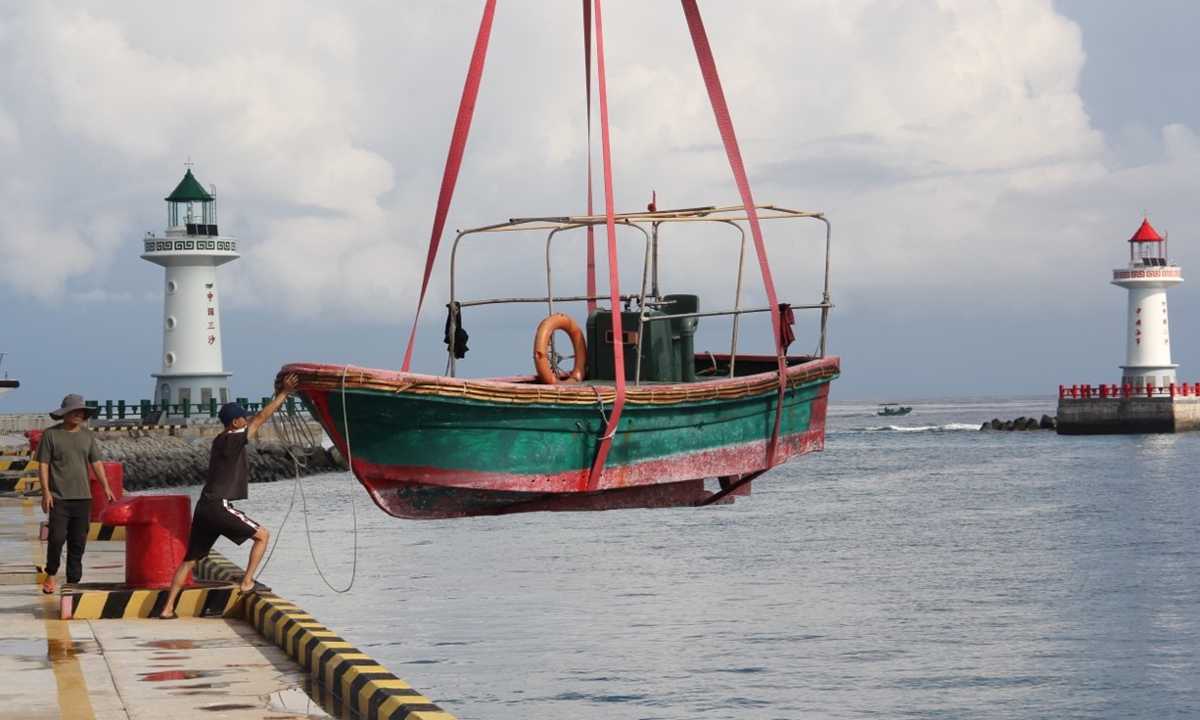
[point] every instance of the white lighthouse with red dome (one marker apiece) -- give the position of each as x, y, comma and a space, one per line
1147, 277
1149, 399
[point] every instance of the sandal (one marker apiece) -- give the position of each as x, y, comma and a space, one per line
172, 616
48, 586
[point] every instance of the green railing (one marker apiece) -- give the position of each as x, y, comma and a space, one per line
143, 409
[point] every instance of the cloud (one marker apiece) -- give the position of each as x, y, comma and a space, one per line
1180, 144
100, 295
9, 136
938, 136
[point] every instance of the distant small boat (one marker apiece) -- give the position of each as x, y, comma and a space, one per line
892, 409
7, 384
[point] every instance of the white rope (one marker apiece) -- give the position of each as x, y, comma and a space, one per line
295, 484
295, 433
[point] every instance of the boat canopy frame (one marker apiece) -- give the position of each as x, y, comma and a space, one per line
648, 297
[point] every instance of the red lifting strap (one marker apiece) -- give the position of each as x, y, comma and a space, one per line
614, 289
458, 143
454, 158
587, 82
716, 96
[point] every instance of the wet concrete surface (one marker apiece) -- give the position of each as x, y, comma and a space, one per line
128, 668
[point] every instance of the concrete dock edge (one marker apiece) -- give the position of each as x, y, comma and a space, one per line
340, 669
107, 661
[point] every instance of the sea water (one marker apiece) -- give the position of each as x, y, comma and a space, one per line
917, 568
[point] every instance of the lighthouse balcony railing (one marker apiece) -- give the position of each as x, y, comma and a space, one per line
164, 412
1115, 391
190, 230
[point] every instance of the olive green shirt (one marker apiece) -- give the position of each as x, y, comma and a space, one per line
68, 455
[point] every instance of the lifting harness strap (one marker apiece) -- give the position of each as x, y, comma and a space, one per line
708, 67
458, 143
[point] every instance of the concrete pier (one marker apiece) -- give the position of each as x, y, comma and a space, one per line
264, 658
1128, 415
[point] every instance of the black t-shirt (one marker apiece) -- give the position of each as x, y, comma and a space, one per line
228, 468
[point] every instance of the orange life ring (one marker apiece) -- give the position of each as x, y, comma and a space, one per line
541, 346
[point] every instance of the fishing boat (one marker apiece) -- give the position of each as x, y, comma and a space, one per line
619, 408
7, 384
892, 409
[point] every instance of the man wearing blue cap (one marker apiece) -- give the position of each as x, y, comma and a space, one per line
228, 480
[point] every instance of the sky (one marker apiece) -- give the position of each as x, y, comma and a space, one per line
982, 164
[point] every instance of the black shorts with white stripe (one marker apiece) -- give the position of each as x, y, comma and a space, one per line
211, 520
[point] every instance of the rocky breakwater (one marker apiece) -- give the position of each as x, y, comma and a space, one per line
157, 462
1022, 423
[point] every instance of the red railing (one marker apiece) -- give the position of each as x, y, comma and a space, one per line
1093, 392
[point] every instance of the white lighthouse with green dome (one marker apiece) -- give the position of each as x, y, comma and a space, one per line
190, 250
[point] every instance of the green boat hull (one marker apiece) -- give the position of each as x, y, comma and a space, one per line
431, 447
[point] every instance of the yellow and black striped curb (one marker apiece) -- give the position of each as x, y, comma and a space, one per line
21, 484
352, 678
20, 453
102, 532
138, 428
216, 566
20, 575
105, 601
96, 531
15, 465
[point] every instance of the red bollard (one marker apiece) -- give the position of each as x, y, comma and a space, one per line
156, 536
35, 437
115, 472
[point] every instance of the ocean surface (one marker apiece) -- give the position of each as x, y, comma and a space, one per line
918, 568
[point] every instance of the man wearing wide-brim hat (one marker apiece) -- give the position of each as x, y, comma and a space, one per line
64, 454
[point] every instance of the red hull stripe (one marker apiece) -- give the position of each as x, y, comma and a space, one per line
712, 463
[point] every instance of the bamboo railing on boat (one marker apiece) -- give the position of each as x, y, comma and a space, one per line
526, 390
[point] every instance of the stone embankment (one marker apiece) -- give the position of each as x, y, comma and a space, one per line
1022, 423
156, 462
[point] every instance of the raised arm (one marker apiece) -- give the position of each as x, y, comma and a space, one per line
289, 384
